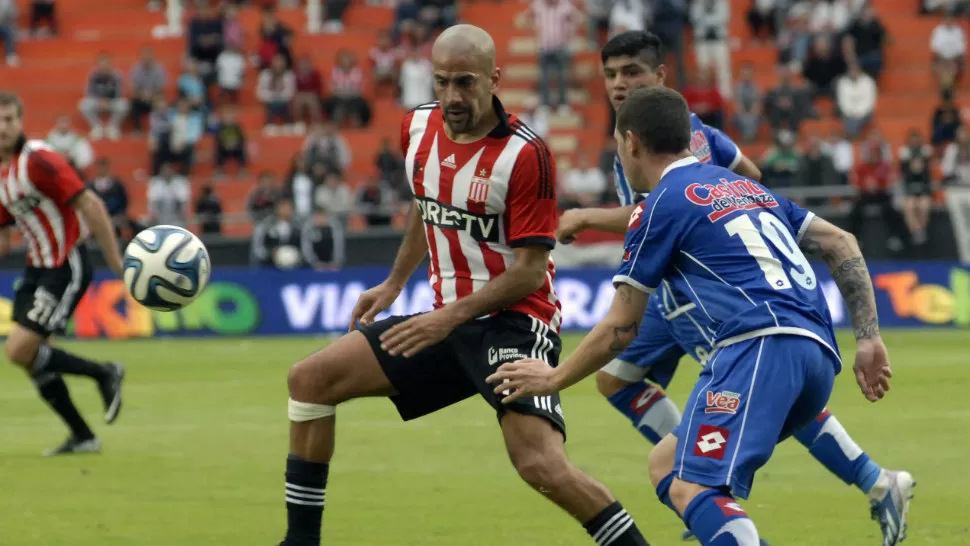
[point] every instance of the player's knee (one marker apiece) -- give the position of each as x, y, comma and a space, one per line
20, 351
309, 381
544, 471
608, 385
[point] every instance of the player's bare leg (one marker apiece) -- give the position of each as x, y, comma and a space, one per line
344, 370
45, 366
538, 452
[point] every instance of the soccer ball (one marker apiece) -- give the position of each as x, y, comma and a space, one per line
165, 268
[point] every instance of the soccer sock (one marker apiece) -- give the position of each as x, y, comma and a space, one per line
306, 490
648, 408
716, 519
54, 391
828, 441
614, 527
49, 359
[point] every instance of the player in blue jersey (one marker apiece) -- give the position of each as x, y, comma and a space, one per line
735, 251
634, 382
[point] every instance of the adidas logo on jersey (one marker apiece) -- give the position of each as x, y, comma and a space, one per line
449, 162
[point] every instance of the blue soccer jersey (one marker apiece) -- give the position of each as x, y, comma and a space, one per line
709, 145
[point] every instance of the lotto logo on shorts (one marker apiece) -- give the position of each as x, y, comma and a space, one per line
722, 402
729, 507
711, 442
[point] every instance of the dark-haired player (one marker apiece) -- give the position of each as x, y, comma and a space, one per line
42, 195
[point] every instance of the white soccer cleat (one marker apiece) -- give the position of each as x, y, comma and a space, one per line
74, 446
893, 493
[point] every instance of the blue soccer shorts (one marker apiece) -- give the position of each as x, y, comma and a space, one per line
752, 395
653, 355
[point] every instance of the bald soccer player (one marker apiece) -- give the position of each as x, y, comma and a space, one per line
485, 208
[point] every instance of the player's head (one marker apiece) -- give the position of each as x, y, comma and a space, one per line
11, 121
465, 76
652, 127
632, 60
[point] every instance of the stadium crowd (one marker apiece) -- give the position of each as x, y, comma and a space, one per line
830, 56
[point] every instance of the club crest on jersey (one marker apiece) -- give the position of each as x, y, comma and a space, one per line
478, 189
726, 197
700, 147
722, 402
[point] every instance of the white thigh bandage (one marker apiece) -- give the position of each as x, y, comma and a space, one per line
300, 412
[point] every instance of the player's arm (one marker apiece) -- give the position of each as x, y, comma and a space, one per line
610, 220
729, 154
95, 215
526, 275
748, 169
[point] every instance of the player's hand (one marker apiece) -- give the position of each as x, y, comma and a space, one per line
872, 369
571, 223
527, 377
372, 302
417, 333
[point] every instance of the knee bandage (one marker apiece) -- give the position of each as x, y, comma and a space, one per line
300, 412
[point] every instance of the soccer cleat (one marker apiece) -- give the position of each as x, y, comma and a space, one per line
111, 392
891, 510
73, 446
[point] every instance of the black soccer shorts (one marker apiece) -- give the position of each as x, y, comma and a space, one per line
456, 368
47, 297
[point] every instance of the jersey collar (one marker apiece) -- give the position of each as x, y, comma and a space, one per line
682, 162
503, 129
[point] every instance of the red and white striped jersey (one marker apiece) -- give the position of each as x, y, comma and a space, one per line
479, 201
36, 190
555, 22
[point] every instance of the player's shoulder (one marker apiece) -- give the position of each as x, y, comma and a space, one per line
40, 155
530, 144
421, 112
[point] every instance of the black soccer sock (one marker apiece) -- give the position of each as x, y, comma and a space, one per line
614, 527
51, 360
54, 391
306, 490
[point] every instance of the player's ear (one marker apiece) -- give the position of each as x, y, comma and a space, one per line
632, 143
496, 77
661, 72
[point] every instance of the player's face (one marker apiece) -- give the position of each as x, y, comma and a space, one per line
11, 126
465, 92
627, 148
624, 74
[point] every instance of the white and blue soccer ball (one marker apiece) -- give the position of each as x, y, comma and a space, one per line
165, 268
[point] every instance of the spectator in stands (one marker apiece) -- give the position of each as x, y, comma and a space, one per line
300, 186
186, 127
274, 233
598, 14
276, 88
230, 71
817, 168
263, 198
705, 99
333, 14
949, 45
438, 14
67, 142
956, 159
230, 141
583, 186
205, 37
276, 38
669, 19
376, 202
104, 95
334, 197
795, 38
159, 131
946, 120
828, 17
110, 189
384, 58
873, 177
405, 13
914, 166
763, 20
168, 197
781, 162
208, 210
710, 21
146, 80
327, 146
627, 15
855, 95
788, 104
43, 12
418, 36
322, 242
8, 31
232, 29
190, 85
865, 41
346, 101
309, 94
875, 145
842, 153
823, 66
417, 80
747, 104
390, 163
555, 23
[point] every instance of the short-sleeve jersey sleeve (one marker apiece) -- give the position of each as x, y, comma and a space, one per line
530, 205
799, 218
726, 153
652, 239
53, 176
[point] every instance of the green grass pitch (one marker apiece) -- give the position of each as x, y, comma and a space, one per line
197, 459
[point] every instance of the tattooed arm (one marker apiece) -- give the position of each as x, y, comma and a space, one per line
840, 252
